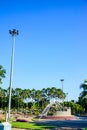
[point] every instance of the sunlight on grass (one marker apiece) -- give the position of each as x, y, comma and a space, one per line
26, 125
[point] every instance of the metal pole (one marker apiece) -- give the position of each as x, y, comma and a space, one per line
13, 33
67, 97
62, 91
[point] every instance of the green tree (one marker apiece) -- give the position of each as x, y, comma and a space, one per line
2, 91
32, 94
2, 73
25, 97
18, 98
2, 96
38, 97
76, 108
60, 94
44, 97
83, 95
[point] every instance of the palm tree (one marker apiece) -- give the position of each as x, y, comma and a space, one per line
84, 85
18, 99
83, 95
25, 97
39, 98
44, 97
60, 94
48, 93
53, 92
32, 94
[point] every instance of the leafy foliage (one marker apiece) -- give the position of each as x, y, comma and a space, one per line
34, 101
29, 101
76, 108
83, 95
2, 73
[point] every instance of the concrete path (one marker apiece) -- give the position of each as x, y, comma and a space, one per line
62, 125
65, 124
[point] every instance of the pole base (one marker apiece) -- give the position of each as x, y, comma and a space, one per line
5, 126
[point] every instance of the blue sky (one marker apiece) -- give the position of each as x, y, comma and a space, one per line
52, 43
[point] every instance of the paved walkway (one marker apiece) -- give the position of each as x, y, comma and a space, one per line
52, 129
62, 125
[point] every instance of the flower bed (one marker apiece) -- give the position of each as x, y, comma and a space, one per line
59, 117
23, 119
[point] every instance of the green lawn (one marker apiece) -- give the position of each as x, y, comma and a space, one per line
32, 125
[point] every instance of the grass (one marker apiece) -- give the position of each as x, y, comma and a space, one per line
33, 126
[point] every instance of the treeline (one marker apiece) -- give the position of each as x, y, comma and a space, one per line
34, 101
22, 99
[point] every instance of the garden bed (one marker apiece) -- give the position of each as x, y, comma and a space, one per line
60, 117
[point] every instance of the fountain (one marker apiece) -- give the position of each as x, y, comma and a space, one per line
63, 113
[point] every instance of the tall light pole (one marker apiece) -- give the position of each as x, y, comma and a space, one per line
62, 80
67, 97
13, 32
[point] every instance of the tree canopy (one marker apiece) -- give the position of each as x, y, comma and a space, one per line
36, 100
2, 73
83, 95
